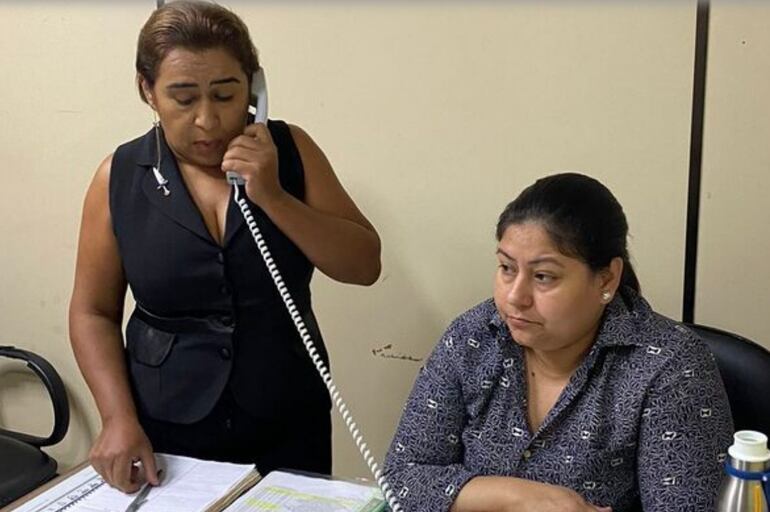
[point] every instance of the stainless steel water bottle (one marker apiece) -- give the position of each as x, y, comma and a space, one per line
746, 483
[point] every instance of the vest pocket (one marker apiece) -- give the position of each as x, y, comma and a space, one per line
147, 345
176, 376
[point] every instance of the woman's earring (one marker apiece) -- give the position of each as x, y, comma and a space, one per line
606, 296
162, 182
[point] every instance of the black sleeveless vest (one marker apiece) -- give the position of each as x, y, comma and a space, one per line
208, 316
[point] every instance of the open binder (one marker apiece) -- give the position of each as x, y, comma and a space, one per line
189, 485
193, 485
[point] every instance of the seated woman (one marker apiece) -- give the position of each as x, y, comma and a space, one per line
566, 392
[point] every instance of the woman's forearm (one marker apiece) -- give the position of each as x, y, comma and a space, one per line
488, 494
508, 494
98, 347
340, 248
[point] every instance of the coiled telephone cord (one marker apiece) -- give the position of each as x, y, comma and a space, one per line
312, 352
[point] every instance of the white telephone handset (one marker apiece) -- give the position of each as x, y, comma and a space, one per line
257, 113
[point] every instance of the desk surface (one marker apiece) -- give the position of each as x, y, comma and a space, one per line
43, 488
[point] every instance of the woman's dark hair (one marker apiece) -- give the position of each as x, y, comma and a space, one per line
582, 217
194, 26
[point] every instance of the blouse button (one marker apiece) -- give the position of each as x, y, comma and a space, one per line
527, 454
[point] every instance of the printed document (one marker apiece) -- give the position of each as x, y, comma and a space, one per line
289, 492
188, 485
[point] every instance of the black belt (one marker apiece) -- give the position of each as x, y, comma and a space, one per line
223, 323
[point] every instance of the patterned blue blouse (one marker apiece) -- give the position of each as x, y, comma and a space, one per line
644, 418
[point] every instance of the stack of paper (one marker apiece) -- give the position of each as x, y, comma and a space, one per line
192, 485
189, 485
289, 492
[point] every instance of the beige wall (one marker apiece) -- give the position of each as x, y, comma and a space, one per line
66, 98
434, 115
733, 274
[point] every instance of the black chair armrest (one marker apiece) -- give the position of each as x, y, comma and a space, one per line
53, 383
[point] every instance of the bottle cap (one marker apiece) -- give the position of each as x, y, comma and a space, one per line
749, 446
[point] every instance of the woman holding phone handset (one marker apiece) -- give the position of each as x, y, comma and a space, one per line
213, 367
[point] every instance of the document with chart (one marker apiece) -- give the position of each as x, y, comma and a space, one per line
289, 492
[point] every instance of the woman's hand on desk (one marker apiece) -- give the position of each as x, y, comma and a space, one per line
551, 498
121, 443
506, 494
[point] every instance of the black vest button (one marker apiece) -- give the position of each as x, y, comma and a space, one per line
221, 257
227, 321
225, 353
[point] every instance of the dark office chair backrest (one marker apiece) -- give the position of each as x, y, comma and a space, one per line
745, 369
24, 465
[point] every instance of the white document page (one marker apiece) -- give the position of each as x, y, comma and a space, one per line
188, 485
287, 492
